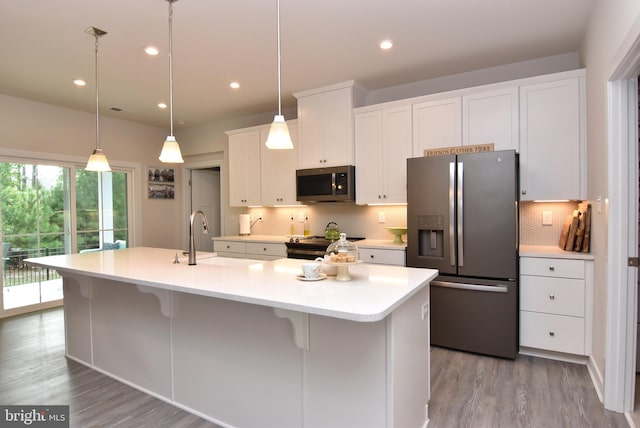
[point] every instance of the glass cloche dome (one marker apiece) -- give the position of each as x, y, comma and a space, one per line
342, 251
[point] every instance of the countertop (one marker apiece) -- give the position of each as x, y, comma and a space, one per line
372, 294
387, 244
552, 251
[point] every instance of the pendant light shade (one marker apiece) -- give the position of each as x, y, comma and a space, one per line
279, 137
171, 149
98, 160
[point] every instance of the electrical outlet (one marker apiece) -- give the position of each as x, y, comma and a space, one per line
260, 216
301, 217
381, 217
547, 218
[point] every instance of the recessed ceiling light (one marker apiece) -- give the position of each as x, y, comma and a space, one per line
151, 50
79, 82
234, 85
386, 44
162, 105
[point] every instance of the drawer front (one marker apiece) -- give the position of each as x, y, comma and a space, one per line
561, 268
273, 250
383, 257
552, 332
229, 247
561, 296
230, 255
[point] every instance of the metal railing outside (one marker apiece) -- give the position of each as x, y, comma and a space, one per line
17, 272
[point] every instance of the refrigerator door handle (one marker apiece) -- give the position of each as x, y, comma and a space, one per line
472, 287
452, 213
460, 214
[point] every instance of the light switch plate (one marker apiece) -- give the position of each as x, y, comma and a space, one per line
547, 218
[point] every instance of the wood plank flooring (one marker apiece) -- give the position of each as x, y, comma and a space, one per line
466, 390
33, 370
475, 391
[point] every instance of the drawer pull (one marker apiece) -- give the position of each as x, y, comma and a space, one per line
264, 249
552, 296
372, 256
552, 334
552, 268
228, 246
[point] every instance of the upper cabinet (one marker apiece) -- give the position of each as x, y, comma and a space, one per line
257, 175
491, 117
476, 116
436, 124
278, 170
244, 168
552, 139
325, 125
383, 143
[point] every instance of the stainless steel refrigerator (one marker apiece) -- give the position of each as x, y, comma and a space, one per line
462, 219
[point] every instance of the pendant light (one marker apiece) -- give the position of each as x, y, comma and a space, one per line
97, 160
279, 137
171, 149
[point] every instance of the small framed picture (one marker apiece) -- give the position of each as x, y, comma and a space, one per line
160, 191
161, 175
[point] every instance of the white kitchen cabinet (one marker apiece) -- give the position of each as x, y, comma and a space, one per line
250, 250
554, 304
232, 249
383, 143
278, 170
244, 168
266, 251
552, 140
437, 123
491, 117
325, 125
383, 256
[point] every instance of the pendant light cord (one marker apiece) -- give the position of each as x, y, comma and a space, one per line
170, 65
97, 98
279, 89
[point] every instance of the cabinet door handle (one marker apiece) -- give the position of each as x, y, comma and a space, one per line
524, 192
552, 334
552, 268
552, 296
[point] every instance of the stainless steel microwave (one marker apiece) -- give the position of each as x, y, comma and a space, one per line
330, 184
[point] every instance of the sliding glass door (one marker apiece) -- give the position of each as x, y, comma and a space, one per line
50, 210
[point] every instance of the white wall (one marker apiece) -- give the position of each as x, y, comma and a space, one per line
608, 27
43, 128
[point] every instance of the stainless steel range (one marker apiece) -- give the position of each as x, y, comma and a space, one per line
310, 247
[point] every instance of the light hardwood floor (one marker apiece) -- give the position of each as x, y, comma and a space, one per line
466, 390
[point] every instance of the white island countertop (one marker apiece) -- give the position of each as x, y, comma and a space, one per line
372, 294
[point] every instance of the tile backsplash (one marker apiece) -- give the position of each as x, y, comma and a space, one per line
532, 231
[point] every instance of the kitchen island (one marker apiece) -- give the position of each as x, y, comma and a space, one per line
244, 343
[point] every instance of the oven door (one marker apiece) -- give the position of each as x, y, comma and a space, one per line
304, 253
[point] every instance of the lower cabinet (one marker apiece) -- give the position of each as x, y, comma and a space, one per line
250, 250
555, 310
383, 256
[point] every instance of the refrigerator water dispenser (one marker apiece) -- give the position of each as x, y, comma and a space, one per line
430, 235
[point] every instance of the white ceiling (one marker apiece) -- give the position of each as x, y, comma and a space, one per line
43, 47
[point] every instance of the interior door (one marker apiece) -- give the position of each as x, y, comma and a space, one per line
205, 195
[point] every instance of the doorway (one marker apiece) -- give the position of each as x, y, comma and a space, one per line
205, 195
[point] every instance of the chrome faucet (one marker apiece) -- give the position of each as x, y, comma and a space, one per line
192, 242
